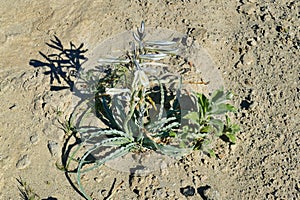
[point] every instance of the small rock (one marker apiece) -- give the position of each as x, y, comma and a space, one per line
212, 194
188, 191
158, 192
247, 59
3, 37
248, 9
23, 162
266, 18
253, 105
196, 180
3, 157
34, 139
98, 180
53, 148
128, 24
189, 41
38, 104
103, 192
202, 191
252, 42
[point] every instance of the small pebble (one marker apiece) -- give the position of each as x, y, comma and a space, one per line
252, 42
188, 191
189, 41
98, 180
247, 59
248, 9
53, 148
3, 37
23, 162
34, 139
158, 192
103, 192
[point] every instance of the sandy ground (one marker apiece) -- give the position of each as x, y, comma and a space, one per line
255, 45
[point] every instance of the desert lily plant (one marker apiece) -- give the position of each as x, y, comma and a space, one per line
139, 103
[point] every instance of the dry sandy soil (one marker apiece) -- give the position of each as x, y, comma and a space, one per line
254, 44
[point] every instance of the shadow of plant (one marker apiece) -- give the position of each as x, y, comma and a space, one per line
64, 65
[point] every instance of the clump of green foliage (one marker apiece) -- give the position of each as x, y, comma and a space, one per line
209, 124
142, 110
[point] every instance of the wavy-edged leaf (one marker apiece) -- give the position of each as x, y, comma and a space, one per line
113, 61
166, 50
153, 57
160, 43
142, 28
90, 133
155, 126
153, 64
115, 141
116, 154
116, 91
136, 37
170, 126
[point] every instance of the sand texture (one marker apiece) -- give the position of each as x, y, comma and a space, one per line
255, 45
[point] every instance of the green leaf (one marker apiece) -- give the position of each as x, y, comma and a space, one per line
219, 97
174, 151
149, 144
116, 154
183, 136
153, 57
219, 109
228, 121
218, 125
160, 43
162, 49
211, 153
158, 125
231, 128
193, 116
235, 128
206, 129
203, 105
112, 60
116, 141
231, 137
91, 133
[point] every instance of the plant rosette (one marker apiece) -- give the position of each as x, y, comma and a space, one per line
147, 96
142, 100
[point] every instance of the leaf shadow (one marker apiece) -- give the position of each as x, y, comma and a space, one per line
63, 65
